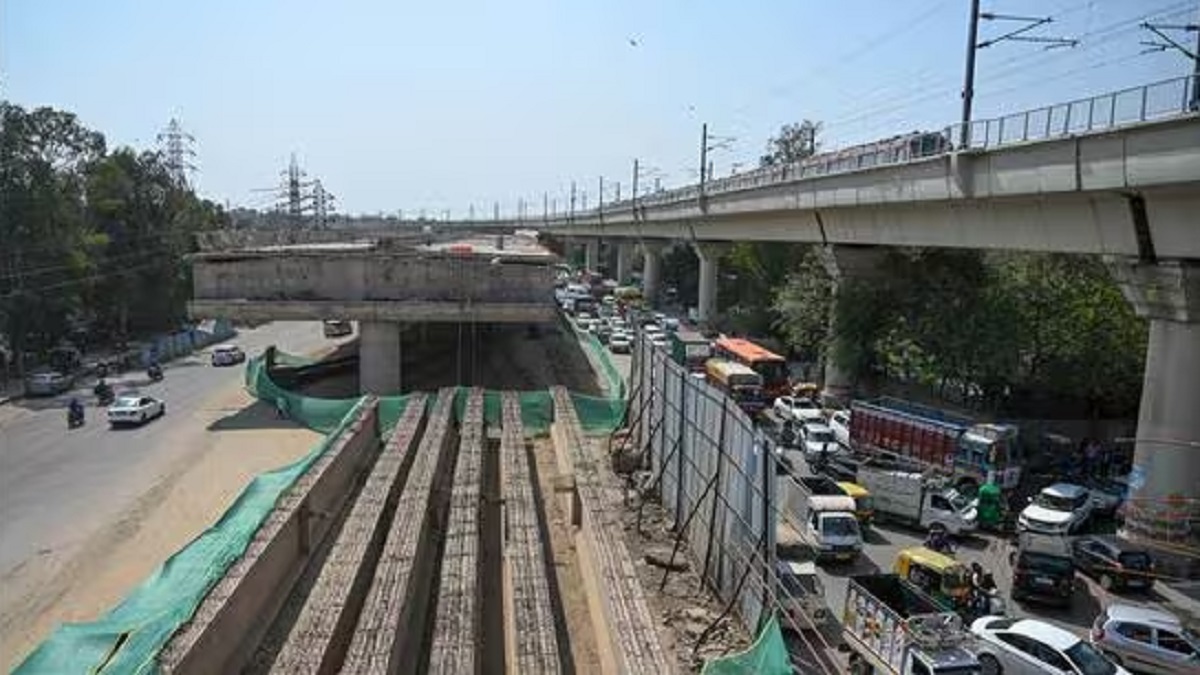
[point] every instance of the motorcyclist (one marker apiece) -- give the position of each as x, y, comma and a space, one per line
75, 412
103, 391
154, 371
938, 540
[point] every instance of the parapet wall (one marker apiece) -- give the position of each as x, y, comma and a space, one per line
367, 275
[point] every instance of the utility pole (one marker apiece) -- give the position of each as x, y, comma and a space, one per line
708, 144
968, 92
545, 207
177, 151
496, 211
1016, 35
571, 213
472, 212
1159, 30
618, 191
635, 187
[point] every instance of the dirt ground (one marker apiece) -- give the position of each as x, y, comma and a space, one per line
178, 507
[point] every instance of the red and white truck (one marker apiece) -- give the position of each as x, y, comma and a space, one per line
972, 452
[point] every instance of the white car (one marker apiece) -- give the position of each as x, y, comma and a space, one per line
818, 440
1030, 647
227, 355
660, 340
840, 423
799, 409
620, 343
1059, 509
135, 410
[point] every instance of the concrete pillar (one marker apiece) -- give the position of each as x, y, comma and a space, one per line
624, 262
379, 357
651, 270
591, 254
844, 263
1165, 482
710, 255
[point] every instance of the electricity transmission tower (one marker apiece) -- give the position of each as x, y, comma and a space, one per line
304, 202
176, 147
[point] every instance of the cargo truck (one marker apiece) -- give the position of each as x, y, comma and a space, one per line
892, 627
690, 350
903, 493
975, 453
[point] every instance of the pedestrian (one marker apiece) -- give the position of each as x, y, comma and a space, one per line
1091, 458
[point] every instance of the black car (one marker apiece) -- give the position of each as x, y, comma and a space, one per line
1043, 569
1114, 563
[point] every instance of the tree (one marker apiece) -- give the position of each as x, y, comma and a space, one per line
794, 142
802, 306
92, 241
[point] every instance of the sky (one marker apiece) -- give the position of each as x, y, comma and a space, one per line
400, 106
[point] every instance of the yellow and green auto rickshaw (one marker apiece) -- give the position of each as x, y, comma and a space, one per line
864, 507
945, 579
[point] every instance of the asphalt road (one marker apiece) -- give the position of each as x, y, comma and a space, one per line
57, 487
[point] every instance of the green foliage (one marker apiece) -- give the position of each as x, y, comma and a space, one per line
793, 143
801, 306
92, 240
1013, 333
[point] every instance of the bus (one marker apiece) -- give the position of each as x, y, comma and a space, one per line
769, 365
739, 382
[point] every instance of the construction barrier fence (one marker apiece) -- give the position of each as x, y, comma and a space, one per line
715, 473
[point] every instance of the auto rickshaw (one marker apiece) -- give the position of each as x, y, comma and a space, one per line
864, 507
945, 579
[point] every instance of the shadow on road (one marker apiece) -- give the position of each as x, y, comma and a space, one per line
874, 537
1079, 614
257, 415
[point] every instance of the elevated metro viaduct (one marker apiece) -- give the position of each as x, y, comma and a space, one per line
1130, 193
383, 284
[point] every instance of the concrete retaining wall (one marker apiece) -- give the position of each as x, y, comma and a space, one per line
626, 632
232, 619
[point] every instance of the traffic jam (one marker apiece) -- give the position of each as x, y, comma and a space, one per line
916, 540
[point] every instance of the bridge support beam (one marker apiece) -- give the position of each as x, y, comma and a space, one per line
710, 271
379, 357
1165, 483
591, 254
652, 270
624, 261
844, 264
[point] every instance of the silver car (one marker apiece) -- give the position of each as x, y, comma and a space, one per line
1146, 640
47, 383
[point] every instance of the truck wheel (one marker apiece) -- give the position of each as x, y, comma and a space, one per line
988, 665
1106, 582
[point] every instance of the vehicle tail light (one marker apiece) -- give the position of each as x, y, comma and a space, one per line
1097, 634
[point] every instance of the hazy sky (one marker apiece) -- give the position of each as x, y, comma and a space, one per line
442, 104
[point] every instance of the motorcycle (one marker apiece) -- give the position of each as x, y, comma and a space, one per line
155, 373
75, 416
104, 394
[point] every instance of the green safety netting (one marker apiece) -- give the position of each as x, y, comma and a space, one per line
129, 637
767, 656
